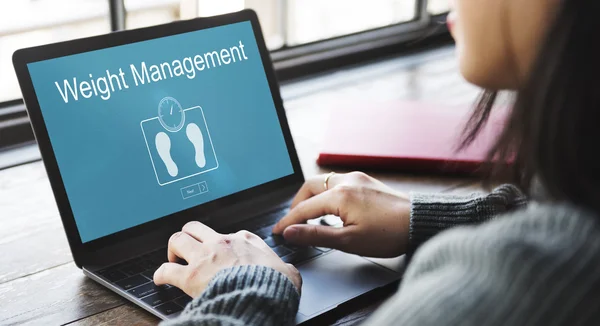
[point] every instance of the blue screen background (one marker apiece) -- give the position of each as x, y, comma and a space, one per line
101, 150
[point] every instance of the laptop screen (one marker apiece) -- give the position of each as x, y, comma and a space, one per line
147, 129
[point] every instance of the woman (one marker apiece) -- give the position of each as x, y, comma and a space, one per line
504, 261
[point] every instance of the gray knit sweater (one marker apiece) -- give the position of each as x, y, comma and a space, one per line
526, 265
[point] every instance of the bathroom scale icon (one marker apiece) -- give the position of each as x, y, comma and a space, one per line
178, 142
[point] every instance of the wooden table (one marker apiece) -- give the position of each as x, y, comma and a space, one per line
40, 285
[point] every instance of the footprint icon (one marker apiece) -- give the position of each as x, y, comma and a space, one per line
195, 136
163, 146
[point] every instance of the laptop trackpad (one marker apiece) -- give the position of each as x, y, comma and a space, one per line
336, 278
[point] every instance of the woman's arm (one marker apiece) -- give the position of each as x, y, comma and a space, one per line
535, 267
243, 295
433, 213
251, 294
236, 278
380, 221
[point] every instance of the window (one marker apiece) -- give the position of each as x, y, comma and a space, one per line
436, 7
340, 17
285, 23
34, 22
304, 36
142, 13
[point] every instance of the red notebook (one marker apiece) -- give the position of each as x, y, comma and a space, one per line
404, 136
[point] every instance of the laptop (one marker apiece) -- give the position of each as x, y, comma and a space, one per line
143, 130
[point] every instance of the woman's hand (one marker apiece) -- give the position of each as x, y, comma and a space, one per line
376, 218
208, 252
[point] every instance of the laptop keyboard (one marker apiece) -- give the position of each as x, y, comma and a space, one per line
135, 276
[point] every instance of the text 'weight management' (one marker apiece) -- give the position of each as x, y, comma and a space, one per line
74, 90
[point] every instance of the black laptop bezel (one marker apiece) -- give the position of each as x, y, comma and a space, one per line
80, 250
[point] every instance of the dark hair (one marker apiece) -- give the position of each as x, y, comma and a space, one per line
553, 131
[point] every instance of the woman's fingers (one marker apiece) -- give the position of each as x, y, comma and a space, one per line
307, 190
182, 245
315, 186
317, 235
317, 206
200, 231
170, 273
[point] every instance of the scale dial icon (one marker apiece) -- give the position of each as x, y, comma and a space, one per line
171, 114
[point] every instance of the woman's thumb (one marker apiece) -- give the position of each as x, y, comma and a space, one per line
315, 235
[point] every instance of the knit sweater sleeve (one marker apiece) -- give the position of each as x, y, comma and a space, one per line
243, 295
433, 213
537, 266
